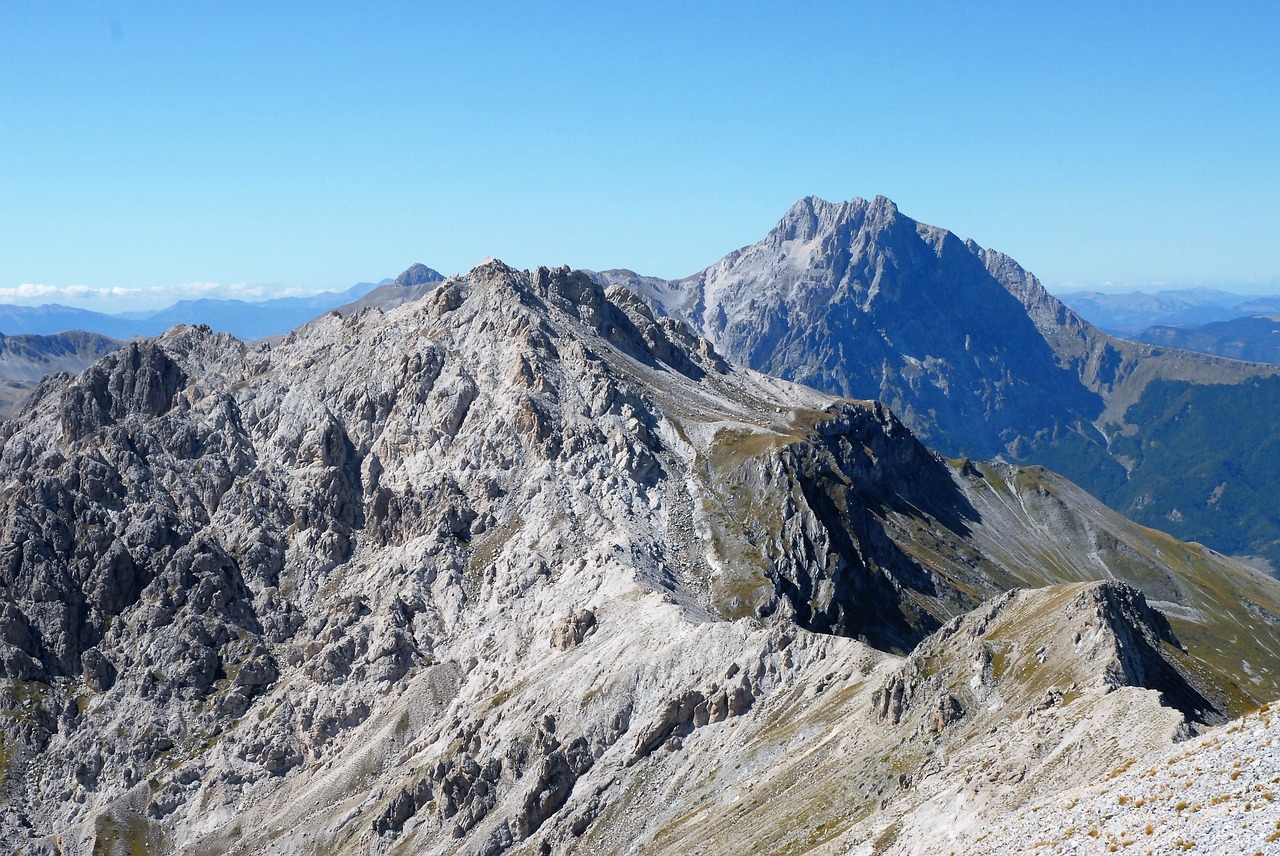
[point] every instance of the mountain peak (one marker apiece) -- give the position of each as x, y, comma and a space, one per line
492, 266
860, 299
816, 203
418, 274
470, 574
813, 216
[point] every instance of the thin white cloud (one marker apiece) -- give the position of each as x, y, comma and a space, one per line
32, 291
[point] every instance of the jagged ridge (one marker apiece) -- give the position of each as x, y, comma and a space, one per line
977, 358
474, 573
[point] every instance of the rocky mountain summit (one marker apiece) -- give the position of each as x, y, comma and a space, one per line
521, 567
416, 281
977, 358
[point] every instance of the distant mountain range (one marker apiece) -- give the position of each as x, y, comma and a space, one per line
520, 568
40, 340
513, 563
965, 346
415, 282
1129, 315
25, 360
243, 319
978, 359
1256, 337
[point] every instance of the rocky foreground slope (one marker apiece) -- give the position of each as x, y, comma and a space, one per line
1215, 794
977, 358
518, 567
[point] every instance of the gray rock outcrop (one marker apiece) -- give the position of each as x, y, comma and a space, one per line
977, 358
521, 566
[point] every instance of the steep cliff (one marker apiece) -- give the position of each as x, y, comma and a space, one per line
521, 566
977, 358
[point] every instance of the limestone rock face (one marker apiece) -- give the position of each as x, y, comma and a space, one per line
1208, 794
858, 299
520, 566
574, 630
977, 358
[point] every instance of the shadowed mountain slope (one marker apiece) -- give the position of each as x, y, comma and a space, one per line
26, 359
519, 566
1256, 338
973, 354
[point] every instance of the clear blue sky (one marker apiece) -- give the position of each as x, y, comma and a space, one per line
265, 146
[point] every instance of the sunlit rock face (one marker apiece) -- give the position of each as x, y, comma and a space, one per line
976, 358
520, 566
